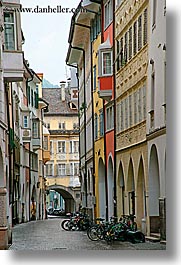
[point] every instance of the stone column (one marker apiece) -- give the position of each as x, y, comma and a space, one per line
3, 220
162, 213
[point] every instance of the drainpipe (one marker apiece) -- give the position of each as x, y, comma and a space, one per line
104, 111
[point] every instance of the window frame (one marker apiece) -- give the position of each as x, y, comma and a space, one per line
102, 62
14, 31
63, 148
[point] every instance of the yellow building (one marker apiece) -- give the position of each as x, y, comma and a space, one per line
62, 171
98, 135
131, 42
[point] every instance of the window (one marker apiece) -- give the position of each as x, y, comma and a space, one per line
139, 33
107, 63
48, 125
74, 146
76, 169
45, 143
145, 29
126, 113
62, 125
32, 98
61, 170
9, 31
125, 47
51, 147
122, 115
95, 127
49, 169
140, 105
118, 55
135, 38
130, 42
144, 102
108, 13
61, 147
135, 107
35, 130
17, 112
101, 122
109, 118
75, 126
25, 121
130, 111
94, 76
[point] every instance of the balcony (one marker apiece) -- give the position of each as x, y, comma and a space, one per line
26, 135
36, 142
105, 87
13, 66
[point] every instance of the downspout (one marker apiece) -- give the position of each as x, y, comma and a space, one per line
104, 111
115, 128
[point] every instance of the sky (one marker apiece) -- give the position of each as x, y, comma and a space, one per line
46, 38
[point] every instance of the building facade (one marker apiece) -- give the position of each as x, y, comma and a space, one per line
62, 171
156, 118
131, 35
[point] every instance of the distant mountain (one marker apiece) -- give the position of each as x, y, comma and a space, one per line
47, 84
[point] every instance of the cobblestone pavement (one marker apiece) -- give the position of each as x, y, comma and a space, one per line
48, 235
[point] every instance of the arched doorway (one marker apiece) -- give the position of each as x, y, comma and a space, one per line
140, 194
102, 189
121, 191
154, 191
33, 203
110, 183
131, 189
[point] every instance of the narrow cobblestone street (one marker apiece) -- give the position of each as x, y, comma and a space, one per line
48, 235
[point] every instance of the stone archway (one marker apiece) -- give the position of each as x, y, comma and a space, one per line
121, 191
68, 195
131, 188
140, 194
102, 189
33, 203
154, 190
110, 183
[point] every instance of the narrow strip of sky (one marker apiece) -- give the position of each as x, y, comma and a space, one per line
46, 38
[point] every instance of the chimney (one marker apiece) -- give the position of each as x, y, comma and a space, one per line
62, 86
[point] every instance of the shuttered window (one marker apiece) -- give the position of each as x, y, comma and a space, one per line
130, 42
145, 29
135, 38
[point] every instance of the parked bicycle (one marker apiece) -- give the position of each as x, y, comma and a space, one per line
123, 230
76, 222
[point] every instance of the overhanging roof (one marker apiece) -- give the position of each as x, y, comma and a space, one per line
80, 29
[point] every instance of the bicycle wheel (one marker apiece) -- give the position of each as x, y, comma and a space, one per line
65, 225
92, 233
100, 233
